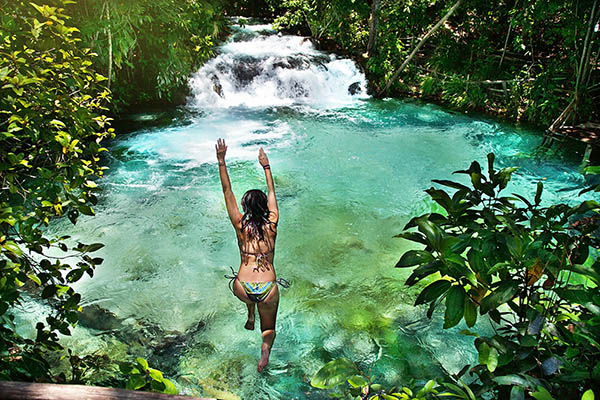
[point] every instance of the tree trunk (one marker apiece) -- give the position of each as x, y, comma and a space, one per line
562, 117
505, 43
508, 35
373, 28
585, 54
110, 47
421, 43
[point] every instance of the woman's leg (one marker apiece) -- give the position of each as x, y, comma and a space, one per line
241, 294
268, 316
250, 322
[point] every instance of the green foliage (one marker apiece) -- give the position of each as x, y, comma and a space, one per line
429, 86
141, 377
524, 265
84, 368
347, 382
51, 128
148, 47
344, 21
591, 170
533, 46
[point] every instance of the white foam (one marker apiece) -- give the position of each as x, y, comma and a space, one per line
275, 70
195, 144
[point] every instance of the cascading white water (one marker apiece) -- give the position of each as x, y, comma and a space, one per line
268, 69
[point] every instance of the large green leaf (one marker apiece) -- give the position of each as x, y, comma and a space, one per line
538, 193
142, 363
334, 373
455, 306
423, 271
488, 356
135, 382
578, 295
470, 313
541, 394
357, 381
512, 380
517, 393
454, 185
441, 197
413, 237
504, 176
587, 206
503, 293
432, 233
473, 168
414, 257
588, 395
433, 291
169, 387
591, 273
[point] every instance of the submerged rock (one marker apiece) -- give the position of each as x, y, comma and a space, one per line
354, 88
96, 317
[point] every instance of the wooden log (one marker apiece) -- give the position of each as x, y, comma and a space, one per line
48, 391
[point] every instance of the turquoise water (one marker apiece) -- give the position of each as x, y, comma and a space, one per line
349, 174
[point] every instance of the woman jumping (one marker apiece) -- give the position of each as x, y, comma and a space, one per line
255, 283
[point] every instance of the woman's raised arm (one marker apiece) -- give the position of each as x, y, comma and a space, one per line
271, 198
232, 209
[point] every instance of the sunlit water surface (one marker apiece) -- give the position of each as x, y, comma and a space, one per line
349, 173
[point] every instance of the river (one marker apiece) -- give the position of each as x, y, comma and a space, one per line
349, 171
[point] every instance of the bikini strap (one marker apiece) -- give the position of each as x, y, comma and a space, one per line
283, 283
231, 278
264, 254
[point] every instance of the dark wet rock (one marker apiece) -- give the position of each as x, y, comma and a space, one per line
170, 345
354, 88
222, 67
294, 62
96, 317
167, 349
310, 40
245, 36
217, 87
143, 338
321, 60
245, 69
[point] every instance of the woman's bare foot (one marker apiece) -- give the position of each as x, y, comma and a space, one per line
249, 325
264, 357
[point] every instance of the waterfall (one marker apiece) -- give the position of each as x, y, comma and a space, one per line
259, 68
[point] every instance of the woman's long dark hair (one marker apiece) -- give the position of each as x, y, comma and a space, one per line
256, 213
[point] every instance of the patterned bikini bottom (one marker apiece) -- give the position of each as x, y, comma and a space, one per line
256, 291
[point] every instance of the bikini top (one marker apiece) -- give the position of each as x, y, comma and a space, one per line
262, 259
261, 254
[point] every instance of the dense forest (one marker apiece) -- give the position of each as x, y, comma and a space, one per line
68, 68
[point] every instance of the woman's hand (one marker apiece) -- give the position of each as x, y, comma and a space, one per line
262, 158
221, 148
